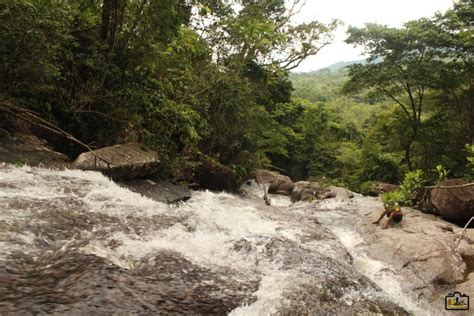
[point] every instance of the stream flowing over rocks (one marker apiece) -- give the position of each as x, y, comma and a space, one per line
75, 242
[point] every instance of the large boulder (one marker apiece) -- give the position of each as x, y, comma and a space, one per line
341, 193
307, 191
454, 201
379, 188
424, 203
276, 183
211, 174
119, 162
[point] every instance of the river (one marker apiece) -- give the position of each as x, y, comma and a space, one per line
75, 242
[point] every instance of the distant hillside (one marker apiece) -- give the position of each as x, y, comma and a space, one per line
324, 86
321, 85
342, 64
332, 68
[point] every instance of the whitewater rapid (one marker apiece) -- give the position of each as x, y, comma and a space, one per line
76, 242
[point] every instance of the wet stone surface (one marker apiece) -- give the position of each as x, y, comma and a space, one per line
75, 242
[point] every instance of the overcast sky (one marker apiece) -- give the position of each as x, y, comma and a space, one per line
358, 12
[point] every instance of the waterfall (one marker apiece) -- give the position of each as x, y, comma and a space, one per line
76, 242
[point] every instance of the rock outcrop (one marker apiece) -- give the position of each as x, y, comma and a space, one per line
275, 183
307, 191
341, 193
453, 200
420, 248
119, 162
211, 174
28, 149
381, 187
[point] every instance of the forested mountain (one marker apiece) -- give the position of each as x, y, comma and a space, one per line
210, 78
410, 106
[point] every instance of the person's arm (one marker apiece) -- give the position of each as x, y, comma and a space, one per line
389, 220
380, 218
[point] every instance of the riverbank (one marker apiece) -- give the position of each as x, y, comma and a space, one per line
421, 251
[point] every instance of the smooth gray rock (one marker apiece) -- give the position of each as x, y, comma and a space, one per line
341, 193
308, 191
276, 183
420, 248
119, 162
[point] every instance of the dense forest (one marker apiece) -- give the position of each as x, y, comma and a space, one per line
212, 78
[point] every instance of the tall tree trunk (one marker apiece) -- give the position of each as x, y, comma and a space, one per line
407, 157
112, 17
471, 110
105, 23
114, 22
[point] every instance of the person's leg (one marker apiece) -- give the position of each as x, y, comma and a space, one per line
388, 220
380, 218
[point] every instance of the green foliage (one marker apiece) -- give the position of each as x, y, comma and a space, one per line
378, 165
365, 187
394, 196
217, 82
405, 194
469, 149
442, 173
412, 181
150, 71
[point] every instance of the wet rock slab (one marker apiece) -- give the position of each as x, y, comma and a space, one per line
158, 190
421, 248
73, 282
74, 242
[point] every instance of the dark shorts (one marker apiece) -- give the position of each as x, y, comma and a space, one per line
397, 217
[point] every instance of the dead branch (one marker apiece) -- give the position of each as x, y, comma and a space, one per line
463, 232
448, 186
32, 118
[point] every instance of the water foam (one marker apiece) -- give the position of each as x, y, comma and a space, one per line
334, 215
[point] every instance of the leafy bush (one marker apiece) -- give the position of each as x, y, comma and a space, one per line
442, 172
406, 193
469, 149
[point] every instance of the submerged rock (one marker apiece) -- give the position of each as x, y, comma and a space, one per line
125, 161
76, 243
158, 190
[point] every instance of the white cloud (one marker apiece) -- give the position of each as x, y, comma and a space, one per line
358, 12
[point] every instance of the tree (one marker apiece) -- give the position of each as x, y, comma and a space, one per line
261, 31
400, 66
455, 45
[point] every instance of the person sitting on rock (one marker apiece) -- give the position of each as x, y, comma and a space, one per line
393, 212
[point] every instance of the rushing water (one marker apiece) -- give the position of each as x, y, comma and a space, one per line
75, 242
339, 218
